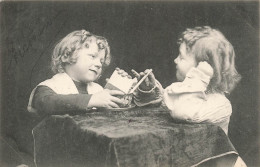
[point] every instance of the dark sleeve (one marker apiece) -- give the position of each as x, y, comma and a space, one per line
46, 101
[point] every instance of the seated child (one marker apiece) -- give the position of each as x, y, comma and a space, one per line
77, 61
206, 73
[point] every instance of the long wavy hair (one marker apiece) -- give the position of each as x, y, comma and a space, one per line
210, 45
66, 49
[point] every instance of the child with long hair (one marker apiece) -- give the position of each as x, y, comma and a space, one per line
206, 73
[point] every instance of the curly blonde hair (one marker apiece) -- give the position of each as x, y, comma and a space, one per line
210, 45
70, 45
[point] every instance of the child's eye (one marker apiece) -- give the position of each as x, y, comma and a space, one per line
180, 58
92, 56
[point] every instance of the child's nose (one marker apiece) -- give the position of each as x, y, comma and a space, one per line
176, 60
98, 63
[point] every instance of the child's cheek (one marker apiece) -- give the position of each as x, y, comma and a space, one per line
178, 75
99, 71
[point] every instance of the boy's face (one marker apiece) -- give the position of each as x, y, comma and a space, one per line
89, 62
184, 62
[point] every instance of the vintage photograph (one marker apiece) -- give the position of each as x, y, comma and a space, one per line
129, 83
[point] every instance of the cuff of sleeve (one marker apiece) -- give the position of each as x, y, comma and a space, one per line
83, 100
198, 74
149, 91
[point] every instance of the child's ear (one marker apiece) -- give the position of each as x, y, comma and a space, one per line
65, 59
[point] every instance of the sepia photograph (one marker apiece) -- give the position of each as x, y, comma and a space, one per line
118, 83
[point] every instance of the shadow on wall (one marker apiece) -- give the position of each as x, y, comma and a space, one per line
141, 35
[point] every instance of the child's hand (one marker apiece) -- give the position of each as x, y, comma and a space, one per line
206, 68
148, 83
123, 73
106, 99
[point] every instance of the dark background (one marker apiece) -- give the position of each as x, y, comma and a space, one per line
141, 35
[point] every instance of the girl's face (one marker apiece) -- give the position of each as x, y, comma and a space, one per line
184, 62
89, 62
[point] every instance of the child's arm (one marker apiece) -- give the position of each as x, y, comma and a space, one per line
47, 101
196, 80
191, 107
186, 99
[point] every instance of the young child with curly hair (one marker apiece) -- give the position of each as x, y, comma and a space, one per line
77, 61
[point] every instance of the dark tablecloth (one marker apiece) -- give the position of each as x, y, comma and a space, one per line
138, 137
